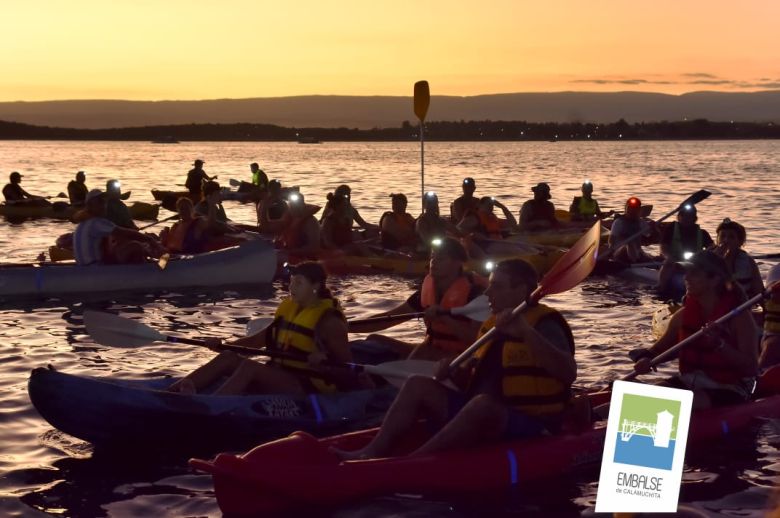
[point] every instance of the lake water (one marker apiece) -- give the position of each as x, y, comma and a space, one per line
45, 472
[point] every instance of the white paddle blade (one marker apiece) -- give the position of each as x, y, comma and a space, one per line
397, 372
234, 182
257, 325
478, 309
115, 331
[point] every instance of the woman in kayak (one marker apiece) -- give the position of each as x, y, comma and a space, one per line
309, 323
186, 235
720, 368
397, 226
731, 237
354, 216
516, 385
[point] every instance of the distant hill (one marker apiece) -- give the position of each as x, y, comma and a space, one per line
386, 111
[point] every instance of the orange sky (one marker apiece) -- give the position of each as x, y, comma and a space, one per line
204, 49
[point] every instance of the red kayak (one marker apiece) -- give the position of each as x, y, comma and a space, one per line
300, 472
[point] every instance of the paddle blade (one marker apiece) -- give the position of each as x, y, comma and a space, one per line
115, 331
478, 309
257, 325
235, 183
422, 99
397, 372
574, 266
696, 197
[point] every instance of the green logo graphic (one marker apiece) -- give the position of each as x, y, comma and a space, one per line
647, 431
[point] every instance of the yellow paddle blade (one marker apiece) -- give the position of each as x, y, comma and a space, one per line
422, 99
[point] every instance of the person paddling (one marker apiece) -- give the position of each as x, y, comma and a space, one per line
629, 224
397, 226
116, 210
97, 240
721, 367
446, 286
680, 240
465, 202
731, 237
196, 177
585, 207
515, 386
539, 212
309, 323
14, 194
259, 178
77, 189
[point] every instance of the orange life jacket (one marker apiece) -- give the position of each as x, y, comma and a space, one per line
489, 224
180, 237
700, 355
440, 335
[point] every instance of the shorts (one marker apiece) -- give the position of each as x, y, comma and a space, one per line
721, 394
518, 425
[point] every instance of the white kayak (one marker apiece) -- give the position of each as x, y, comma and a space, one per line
251, 263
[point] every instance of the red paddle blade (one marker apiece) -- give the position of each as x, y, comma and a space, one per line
574, 266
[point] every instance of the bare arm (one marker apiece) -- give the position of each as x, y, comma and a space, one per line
332, 333
511, 222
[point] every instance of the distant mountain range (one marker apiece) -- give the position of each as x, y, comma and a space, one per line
366, 112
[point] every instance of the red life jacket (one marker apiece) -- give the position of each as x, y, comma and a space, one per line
441, 336
489, 224
700, 355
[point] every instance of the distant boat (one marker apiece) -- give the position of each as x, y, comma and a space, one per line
165, 140
308, 140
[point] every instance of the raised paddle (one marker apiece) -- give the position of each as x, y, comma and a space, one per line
669, 353
422, 99
115, 331
573, 267
693, 199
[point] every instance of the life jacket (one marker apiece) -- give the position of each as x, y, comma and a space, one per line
440, 335
678, 248
586, 207
772, 317
489, 224
542, 210
181, 237
294, 330
405, 221
341, 230
291, 236
524, 384
699, 355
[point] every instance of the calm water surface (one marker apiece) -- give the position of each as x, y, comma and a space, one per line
45, 472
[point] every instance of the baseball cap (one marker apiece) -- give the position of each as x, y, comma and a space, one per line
198, 161
15, 175
542, 187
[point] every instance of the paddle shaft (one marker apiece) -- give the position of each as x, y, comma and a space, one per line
666, 355
159, 221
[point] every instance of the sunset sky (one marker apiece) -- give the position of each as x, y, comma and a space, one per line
204, 49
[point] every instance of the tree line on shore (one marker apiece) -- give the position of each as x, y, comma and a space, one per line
434, 131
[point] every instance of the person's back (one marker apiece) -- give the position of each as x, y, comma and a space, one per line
195, 178
465, 202
585, 207
13, 192
77, 189
538, 213
89, 240
683, 236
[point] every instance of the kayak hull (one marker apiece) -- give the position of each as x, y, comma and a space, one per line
267, 479
112, 413
252, 263
138, 210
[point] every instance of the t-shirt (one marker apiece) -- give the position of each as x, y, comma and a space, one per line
13, 192
88, 240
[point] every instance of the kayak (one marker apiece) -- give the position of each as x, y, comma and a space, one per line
399, 264
112, 412
61, 210
269, 478
251, 263
565, 236
160, 195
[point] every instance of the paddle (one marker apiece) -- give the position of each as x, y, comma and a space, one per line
669, 353
115, 331
766, 256
574, 266
422, 99
175, 216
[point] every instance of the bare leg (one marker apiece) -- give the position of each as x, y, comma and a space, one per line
420, 397
221, 365
267, 379
482, 419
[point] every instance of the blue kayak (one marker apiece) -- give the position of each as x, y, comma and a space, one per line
110, 412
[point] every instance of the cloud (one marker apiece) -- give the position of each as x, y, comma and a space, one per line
621, 82
712, 82
701, 75
689, 78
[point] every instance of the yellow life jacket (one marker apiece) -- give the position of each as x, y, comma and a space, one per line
295, 331
525, 385
587, 208
772, 317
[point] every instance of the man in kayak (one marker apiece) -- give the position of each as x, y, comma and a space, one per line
195, 180
14, 193
731, 238
770, 342
446, 286
299, 231
309, 324
538, 213
271, 209
116, 210
397, 226
626, 227
720, 367
77, 189
465, 202
259, 178
516, 385
585, 207
679, 241
430, 225
97, 240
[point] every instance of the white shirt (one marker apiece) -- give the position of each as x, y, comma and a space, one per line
88, 240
